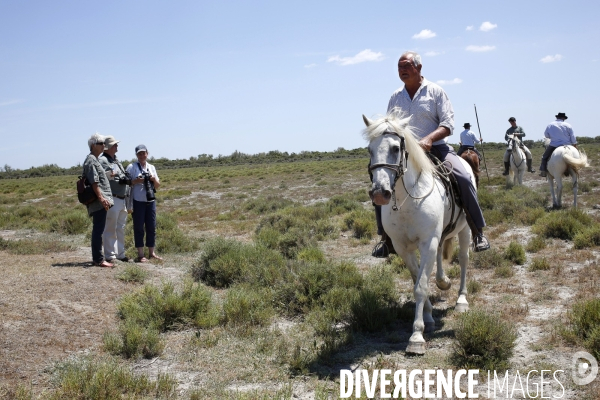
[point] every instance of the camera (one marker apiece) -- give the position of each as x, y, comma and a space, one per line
126, 180
149, 186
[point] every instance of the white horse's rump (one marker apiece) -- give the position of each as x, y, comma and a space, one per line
415, 209
564, 161
517, 162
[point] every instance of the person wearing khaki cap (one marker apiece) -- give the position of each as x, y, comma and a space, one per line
113, 237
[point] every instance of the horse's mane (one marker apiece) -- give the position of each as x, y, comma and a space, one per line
391, 123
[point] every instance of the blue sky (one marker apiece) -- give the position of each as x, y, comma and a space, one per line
193, 77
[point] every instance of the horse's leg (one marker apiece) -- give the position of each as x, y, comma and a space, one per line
559, 187
441, 280
412, 263
423, 308
551, 182
575, 185
464, 239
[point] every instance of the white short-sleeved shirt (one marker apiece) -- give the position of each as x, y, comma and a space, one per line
429, 109
138, 191
560, 133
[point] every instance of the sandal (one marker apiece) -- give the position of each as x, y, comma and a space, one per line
104, 264
157, 257
141, 260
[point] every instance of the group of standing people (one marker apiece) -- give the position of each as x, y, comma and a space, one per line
112, 185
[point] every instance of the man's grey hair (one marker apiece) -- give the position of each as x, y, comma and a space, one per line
416, 57
95, 138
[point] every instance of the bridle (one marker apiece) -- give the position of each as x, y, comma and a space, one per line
517, 147
400, 168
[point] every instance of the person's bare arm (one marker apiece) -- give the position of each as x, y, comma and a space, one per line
103, 200
440, 133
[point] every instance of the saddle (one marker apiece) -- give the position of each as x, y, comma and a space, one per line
452, 191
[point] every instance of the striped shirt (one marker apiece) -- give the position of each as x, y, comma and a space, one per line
429, 109
560, 133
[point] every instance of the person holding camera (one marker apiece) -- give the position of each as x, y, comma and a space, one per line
116, 217
144, 183
97, 209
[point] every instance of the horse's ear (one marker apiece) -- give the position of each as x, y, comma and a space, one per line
404, 122
368, 121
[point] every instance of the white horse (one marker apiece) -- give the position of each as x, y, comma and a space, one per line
565, 160
517, 162
416, 219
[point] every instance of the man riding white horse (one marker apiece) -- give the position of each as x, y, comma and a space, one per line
560, 133
432, 120
468, 141
517, 131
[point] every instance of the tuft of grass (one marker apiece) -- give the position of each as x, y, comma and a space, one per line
376, 305
474, 287
71, 223
170, 239
584, 320
453, 272
246, 307
539, 264
311, 254
483, 340
515, 253
536, 244
491, 258
34, 246
106, 379
504, 271
362, 223
133, 273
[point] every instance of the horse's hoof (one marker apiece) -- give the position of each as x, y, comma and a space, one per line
444, 283
461, 307
416, 348
429, 327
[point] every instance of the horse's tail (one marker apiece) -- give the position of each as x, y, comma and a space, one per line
576, 163
473, 160
448, 248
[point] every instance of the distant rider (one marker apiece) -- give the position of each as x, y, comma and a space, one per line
520, 133
468, 140
560, 133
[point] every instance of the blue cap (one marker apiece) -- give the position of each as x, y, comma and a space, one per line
140, 147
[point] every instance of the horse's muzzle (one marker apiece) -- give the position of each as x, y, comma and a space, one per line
380, 196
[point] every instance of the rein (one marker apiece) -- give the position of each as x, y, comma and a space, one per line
517, 147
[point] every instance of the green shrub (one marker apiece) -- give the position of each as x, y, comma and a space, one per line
225, 262
474, 287
504, 271
106, 379
592, 342
539, 264
34, 246
377, 302
562, 224
515, 253
453, 272
263, 205
170, 239
362, 223
536, 244
588, 237
585, 317
484, 340
245, 307
491, 258
341, 204
311, 254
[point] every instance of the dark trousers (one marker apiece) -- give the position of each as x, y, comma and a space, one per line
546, 157
144, 221
98, 223
467, 187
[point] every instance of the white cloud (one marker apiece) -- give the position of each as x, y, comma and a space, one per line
432, 53
470, 27
480, 49
454, 81
310, 65
549, 59
424, 34
10, 102
363, 56
487, 26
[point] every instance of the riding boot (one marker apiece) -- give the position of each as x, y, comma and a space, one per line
480, 242
506, 167
529, 168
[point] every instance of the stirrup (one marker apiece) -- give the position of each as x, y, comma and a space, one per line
543, 174
505, 173
380, 250
480, 243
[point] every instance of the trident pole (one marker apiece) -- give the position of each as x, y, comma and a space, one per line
481, 139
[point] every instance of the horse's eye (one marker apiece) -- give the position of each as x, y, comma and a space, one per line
395, 149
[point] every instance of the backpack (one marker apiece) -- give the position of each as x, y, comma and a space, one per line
85, 192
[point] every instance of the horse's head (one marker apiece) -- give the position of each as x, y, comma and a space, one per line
390, 143
514, 142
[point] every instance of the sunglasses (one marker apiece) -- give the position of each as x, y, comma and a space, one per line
102, 143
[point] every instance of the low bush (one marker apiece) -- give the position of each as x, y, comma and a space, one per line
491, 258
311, 254
515, 253
224, 262
133, 273
536, 244
588, 237
562, 224
362, 223
170, 239
106, 379
34, 246
246, 307
72, 222
484, 340
504, 271
263, 205
474, 287
539, 264
584, 321
377, 302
